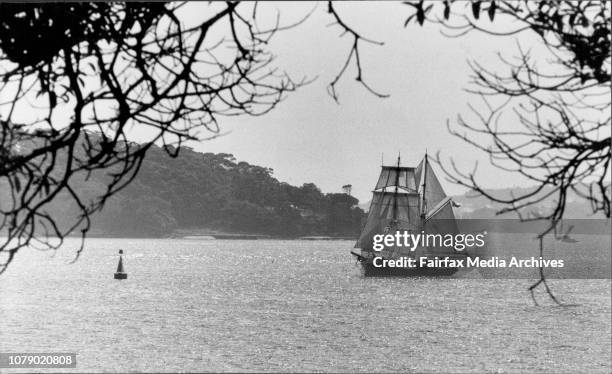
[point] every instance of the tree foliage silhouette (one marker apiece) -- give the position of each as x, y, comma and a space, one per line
546, 112
77, 78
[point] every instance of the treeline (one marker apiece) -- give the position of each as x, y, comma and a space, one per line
206, 191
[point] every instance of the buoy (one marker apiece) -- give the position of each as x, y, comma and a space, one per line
120, 273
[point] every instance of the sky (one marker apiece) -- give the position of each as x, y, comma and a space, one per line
311, 138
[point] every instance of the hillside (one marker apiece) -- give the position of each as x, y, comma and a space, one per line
202, 193
214, 192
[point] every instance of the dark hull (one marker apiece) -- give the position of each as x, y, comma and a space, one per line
369, 270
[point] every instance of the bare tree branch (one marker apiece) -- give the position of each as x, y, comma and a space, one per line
353, 54
79, 78
547, 117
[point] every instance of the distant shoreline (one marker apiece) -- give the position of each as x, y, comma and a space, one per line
220, 236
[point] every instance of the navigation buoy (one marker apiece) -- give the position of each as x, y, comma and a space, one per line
120, 273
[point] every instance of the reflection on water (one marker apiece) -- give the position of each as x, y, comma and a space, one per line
211, 305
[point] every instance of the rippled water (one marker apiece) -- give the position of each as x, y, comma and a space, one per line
211, 305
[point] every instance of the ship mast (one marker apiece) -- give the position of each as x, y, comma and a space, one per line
397, 173
424, 201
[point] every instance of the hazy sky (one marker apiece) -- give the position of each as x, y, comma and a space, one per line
311, 138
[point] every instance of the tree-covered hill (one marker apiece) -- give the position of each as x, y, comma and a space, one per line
215, 192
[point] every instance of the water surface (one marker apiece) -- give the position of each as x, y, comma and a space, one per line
270, 305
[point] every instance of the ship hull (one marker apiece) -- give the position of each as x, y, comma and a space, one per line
370, 270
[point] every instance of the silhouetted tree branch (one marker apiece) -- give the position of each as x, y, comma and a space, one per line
77, 79
546, 113
352, 55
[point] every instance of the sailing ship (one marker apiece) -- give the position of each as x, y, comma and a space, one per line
407, 199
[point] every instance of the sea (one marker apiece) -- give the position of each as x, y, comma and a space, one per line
288, 306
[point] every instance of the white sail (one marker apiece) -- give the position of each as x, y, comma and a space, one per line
388, 213
402, 177
434, 193
429, 187
443, 210
418, 175
441, 219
